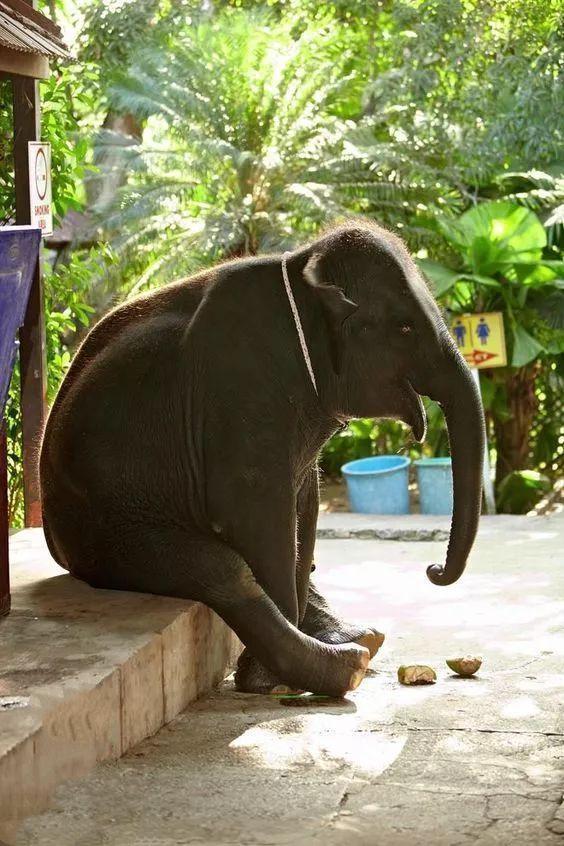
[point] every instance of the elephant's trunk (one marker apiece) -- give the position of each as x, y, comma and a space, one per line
460, 399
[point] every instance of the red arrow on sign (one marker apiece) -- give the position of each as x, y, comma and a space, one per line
479, 356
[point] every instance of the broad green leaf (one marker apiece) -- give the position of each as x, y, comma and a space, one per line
455, 231
537, 274
482, 255
556, 266
555, 346
494, 235
464, 294
525, 347
442, 277
480, 280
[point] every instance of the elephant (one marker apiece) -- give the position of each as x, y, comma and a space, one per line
180, 455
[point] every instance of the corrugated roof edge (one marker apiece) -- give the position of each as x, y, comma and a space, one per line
24, 29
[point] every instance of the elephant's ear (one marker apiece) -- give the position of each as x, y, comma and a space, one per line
335, 306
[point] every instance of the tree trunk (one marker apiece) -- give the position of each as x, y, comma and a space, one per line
101, 188
512, 434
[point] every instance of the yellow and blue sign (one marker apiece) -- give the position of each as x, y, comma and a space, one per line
480, 338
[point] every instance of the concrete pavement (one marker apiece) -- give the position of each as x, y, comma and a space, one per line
477, 761
86, 674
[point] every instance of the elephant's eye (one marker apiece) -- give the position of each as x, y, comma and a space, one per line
406, 328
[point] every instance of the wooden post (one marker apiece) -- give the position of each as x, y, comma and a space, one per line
33, 364
487, 484
4, 527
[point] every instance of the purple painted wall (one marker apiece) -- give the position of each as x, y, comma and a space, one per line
19, 251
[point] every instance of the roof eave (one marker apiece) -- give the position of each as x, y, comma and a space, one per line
18, 63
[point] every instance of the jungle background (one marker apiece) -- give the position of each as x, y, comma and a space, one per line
186, 132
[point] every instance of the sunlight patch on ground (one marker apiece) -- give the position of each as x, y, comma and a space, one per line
548, 681
525, 537
455, 743
319, 739
519, 707
492, 614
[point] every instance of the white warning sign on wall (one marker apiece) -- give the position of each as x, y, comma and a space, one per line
41, 207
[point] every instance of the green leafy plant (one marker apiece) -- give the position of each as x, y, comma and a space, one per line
466, 91
244, 125
365, 437
241, 126
66, 311
7, 195
521, 490
213, 178
65, 97
503, 266
541, 191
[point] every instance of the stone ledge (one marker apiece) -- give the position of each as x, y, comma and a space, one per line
86, 674
341, 525
376, 533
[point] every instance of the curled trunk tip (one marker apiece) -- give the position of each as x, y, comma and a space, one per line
437, 574
462, 407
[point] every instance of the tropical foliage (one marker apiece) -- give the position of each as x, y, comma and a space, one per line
506, 264
502, 268
189, 132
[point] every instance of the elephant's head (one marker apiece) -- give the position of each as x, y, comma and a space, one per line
389, 344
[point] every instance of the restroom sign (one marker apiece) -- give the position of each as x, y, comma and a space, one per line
41, 207
480, 338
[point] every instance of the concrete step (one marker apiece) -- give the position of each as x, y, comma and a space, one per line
86, 674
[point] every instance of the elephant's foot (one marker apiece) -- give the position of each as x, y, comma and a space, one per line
370, 638
320, 622
349, 667
252, 677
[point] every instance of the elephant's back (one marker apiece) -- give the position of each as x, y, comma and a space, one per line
106, 436
178, 300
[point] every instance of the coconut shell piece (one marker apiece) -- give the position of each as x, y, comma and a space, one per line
416, 674
464, 667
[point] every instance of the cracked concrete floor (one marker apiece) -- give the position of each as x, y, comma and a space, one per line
477, 761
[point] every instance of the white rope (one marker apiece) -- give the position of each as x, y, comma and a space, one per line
298, 322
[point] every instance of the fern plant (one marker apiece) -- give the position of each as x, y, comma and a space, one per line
252, 139
244, 126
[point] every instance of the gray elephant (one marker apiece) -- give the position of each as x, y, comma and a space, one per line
180, 456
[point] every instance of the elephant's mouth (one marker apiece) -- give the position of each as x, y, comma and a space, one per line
414, 413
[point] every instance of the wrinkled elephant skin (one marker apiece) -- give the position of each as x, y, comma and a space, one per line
180, 454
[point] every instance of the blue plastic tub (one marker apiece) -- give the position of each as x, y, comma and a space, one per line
378, 485
434, 477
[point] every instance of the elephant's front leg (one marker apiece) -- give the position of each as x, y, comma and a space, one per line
261, 525
316, 617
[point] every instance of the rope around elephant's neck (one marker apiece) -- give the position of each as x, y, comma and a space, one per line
298, 322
